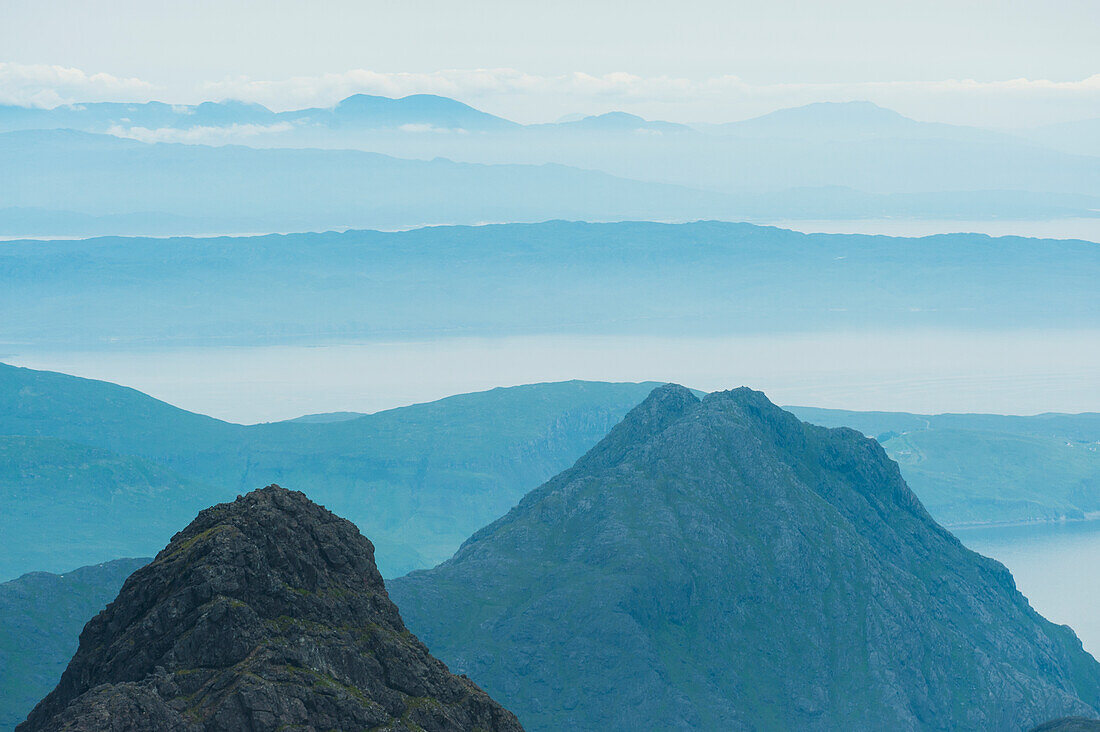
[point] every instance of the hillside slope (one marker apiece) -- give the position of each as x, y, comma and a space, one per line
43, 615
420, 479
721, 565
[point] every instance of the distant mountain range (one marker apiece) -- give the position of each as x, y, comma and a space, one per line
360, 111
418, 113
363, 111
85, 180
718, 564
391, 163
82, 457
65, 183
703, 278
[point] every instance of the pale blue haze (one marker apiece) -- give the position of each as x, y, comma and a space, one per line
1054, 565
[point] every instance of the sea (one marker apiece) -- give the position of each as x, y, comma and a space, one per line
1056, 566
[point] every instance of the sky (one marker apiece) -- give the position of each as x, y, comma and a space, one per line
999, 63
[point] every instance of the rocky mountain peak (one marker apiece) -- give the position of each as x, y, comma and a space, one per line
718, 564
263, 613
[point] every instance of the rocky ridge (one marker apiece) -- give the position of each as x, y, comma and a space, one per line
265, 613
719, 564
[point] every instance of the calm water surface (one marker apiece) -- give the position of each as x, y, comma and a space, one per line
1057, 566
1011, 372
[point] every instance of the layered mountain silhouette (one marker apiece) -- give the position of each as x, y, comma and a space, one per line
418, 479
265, 613
82, 457
819, 161
719, 564
359, 111
231, 188
557, 277
368, 111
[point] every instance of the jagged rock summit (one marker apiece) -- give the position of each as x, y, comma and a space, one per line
265, 613
720, 565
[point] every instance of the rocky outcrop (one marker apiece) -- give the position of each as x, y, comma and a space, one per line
719, 565
1069, 724
265, 613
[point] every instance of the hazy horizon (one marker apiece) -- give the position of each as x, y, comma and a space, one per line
720, 62
925, 372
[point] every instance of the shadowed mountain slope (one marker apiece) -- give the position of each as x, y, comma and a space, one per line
266, 613
721, 565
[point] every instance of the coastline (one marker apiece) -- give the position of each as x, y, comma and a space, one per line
1088, 517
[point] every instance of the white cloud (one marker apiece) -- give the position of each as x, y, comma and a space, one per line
41, 85
432, 128
199, 135
327, 89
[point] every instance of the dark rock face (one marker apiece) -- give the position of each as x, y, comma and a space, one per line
1069, 724
720, 565
265, 613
